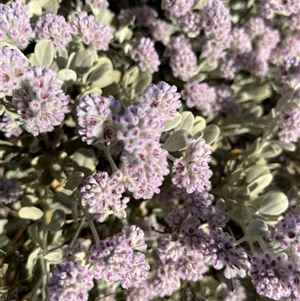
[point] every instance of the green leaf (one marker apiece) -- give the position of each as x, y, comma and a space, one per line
74, 180
274, 203
211, 133
100, 72
32, 259
143, 80
171, 124
84, 160
257, 227
66, 195
177, 141
57, 220
68, 76
254, 172
31, 213
260, 183
186, 122
2, 109
43, 52
83, 62
199, 125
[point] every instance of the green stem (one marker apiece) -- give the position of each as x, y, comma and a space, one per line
77, 231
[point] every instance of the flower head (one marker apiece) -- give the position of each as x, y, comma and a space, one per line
15, 25
146, 56
163, 97
70, 281
10, 190
201, 96
226, 254
40, 100
103, 195
270, 275
9, 126
96, 117
114, 259
179, 8
54, 28
13, 65
192, 170
94, 34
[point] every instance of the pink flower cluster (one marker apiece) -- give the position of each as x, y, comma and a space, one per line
40, 100
119, 258
103, 195
15, 28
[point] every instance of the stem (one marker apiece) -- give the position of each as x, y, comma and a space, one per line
241, 240
89, 219
77, 231
170, 157
262, 244
110, 159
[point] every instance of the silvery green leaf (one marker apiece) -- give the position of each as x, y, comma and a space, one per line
35, 233
143, 80
254, 172
257, 227
111, 77
2, 224
130, 76
66, 195
241, 194
84, 160
177, 141
187, 121
31, 213
260, 183
221, 204
252, 91
32, 258
211, 133
206, 66
290, 147
74, 180
235, 177
123, 34
34, 8
274, 203
68, 76
198, 135
54, 256
42, 162
43, 52
100, 72
270, 150
199, 125
32, 59
83, 62
172, 123
29, 200
57, 220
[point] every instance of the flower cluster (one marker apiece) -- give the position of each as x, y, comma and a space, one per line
96, 117
116, 258
183, 60
10, 190
13, 65
192, 171
54, 28
15, 28
70, 281
95, 35
146, 56
103, 195
40, 101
